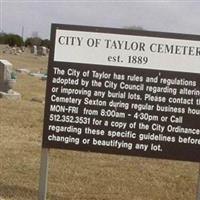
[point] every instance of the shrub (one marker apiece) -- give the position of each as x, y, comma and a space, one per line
13, 40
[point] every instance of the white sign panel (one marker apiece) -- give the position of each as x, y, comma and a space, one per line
127, 51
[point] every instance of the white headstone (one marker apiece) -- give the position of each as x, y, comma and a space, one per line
42, 51
34, 49
5, 75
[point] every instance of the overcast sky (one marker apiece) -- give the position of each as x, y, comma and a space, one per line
37, 16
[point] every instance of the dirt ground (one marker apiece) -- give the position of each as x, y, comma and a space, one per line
75, 175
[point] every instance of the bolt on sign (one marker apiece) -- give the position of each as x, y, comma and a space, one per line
124, 92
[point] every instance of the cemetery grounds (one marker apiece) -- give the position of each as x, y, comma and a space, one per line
75, 175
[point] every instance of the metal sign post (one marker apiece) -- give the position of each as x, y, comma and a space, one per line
43, 174
198, 185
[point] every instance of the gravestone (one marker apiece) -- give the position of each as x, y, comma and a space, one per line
34, 49
7, 82
23, 71
18, 51
42, 51
14, 51
23, 48
5, 75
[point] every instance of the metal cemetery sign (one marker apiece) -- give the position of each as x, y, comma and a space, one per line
123, 92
